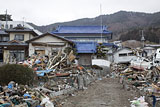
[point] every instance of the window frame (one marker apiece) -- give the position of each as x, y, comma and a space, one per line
122, 55
17, 37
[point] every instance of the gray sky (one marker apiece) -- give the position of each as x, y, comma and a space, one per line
43, 12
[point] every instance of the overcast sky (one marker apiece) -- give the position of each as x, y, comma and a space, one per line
44, 12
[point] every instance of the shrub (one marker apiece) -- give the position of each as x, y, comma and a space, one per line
18, 73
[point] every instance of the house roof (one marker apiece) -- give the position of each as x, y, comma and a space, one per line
149, 48
35, 38
21, 29
82, 29
13, 43
110, 45
2, 32
86, 47
123, 49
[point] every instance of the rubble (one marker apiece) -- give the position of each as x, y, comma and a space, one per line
145, 81
139, 102
58, 76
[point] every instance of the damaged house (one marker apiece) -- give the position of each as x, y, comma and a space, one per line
13, 46
124, 55
47, 43
86, 39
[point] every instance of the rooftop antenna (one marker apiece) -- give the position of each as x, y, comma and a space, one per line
23, 21
6, 20
101, 21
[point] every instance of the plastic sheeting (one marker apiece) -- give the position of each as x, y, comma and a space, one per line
43, 72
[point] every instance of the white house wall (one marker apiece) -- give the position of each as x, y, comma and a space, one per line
48, 49
31, 49
27, 36
123, 59
48, 38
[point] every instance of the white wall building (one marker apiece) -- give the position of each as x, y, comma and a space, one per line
124, 55
46, 43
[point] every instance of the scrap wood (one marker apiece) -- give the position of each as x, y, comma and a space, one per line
51, 76
62, 74
127, 73
51, 60
155, 87
71, 57
59, 62
156, 94
44, 89
158, 67
55, 100
140, 72
1, 93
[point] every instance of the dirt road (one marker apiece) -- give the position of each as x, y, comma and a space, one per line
105, 93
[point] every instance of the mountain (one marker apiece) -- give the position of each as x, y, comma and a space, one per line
118, 22
151, 34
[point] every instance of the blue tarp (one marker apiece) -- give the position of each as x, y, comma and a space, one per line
86, 47
27, 95
10, 86
43, 72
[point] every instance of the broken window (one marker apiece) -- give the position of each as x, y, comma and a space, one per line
17, 55
131, 54
122, 55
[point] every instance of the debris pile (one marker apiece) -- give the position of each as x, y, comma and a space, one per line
59, 76
145, 81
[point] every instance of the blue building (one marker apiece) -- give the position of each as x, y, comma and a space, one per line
86, 51
97, 34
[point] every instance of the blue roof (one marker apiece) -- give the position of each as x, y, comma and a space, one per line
86, 47
82, 29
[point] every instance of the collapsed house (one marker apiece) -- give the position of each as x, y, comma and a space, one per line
124, 55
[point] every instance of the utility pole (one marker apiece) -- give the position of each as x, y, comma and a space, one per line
23, 21
142, 39
101, 22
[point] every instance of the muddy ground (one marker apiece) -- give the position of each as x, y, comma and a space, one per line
107, 92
